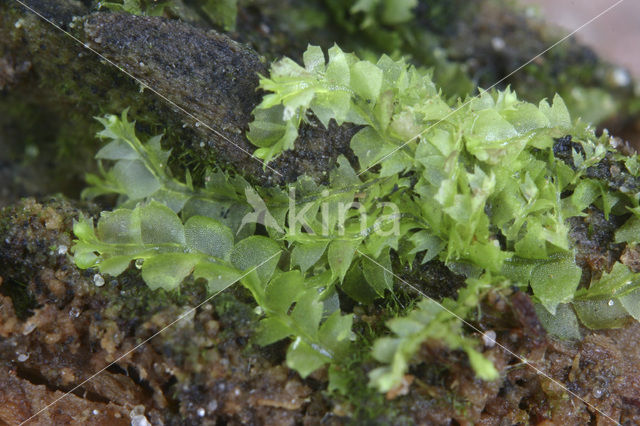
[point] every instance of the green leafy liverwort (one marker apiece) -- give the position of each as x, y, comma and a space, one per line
478, 188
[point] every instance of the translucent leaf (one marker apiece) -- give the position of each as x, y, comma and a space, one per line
564, 324
356, 286
175, 200
222, 12
336, 331
555, 282
307, 254
283, 291
483, 368
366, 80
599, 314
630, 231
208, 236
270, 128
398, 11
558, 114
313, 59
114, 265
167, 270
340, 255
307, 313
136, 180
585, 194
160, 225
631, 303
304, 359
227, 212
369, 147
271, 330
526, 117
117, 150
378, 276
253, 251
120, 226
219, 277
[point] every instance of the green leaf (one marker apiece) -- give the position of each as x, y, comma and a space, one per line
115, 265
271, 330
366, 80
564, 324
306, 255
219, 277
631, 303
283, 291
117, 150
398, 11
379, 277
555, 282
167, 270
356, 286
222, 12
313, 59
483, 368
208, 236
425, 241
630, 231
254, 251
599, 314
339, 380
369, 147
307, 313
558, 114
159, 224
120, 226
335, 332
586, 192
135, 179
340, 255
304, 359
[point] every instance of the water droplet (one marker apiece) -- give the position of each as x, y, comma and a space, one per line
611, 302
258, 310
288, 113
74, 312
212, 406
95, 412
62, 250
621, 77
28, 328
138, 410
201, 412
597, 393
197, 124
498, 44
139, 421
219, 277
201, 144
98, 280
139, 263
23, 357
489, 338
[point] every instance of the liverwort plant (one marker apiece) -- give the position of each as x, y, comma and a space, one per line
482, 188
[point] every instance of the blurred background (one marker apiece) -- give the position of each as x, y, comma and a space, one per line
615, 36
